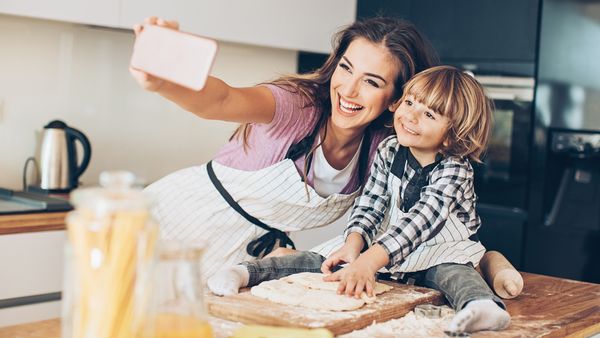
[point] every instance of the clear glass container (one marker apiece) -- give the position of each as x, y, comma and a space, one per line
179, 309
109, 260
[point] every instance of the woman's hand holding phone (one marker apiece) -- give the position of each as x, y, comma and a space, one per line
145, 80
163, 52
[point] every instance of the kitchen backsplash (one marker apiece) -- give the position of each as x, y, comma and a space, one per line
53, 70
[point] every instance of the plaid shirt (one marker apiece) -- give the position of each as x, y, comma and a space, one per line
404, 206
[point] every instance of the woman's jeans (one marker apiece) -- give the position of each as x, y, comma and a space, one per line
460, 283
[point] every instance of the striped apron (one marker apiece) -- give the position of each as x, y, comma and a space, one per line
452, 244
189, 207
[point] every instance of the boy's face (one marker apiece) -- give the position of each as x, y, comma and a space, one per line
420, 128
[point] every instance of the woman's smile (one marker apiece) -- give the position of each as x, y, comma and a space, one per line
348, 107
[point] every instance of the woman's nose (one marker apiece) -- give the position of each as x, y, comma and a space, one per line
350, 88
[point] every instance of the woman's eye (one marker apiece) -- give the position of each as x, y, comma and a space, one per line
408, 102
345, 67
372, 83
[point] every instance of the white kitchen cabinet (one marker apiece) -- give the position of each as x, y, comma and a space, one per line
291, 24
31, 263
93, 12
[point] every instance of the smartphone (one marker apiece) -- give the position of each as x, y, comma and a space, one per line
183, 58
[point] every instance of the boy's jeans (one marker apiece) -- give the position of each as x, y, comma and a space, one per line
458, 282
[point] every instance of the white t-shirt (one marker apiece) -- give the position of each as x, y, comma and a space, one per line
327, 180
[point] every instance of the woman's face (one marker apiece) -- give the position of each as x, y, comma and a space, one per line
362, 85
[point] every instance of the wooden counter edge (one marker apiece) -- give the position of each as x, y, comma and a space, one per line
32, 222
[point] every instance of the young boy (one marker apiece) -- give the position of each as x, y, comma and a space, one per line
416, 215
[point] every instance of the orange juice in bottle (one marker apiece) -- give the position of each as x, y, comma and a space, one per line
170, 325
179, 310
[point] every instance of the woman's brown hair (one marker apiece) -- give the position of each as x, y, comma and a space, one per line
410, 49
457, 95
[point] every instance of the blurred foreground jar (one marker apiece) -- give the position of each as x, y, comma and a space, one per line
109, 261
178, 305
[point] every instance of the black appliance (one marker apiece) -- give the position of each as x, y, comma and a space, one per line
563, 229
485, 36
501, 181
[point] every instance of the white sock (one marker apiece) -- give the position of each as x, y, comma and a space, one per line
228, 281
479, 315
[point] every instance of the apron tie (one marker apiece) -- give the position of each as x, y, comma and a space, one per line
262, 245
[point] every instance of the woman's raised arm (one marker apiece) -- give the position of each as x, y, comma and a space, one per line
217, 100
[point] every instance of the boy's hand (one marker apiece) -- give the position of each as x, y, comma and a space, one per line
346, 254
360, 274
355, 278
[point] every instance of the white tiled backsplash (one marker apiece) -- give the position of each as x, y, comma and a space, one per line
53, 70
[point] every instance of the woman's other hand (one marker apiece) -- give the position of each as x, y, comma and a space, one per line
145, 80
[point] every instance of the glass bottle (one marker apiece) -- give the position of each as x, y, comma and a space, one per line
179, 310
108, 260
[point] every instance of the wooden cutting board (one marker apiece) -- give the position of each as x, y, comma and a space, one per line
249, 309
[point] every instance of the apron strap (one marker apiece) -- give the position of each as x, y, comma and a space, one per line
303, 146
397, 169
264, 244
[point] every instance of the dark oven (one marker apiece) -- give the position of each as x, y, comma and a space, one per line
502, 180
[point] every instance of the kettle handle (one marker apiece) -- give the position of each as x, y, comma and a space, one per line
75, 134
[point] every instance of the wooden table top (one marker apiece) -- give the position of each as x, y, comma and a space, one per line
548, 307
32, 222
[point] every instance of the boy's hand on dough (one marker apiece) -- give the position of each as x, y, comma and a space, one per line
356, 278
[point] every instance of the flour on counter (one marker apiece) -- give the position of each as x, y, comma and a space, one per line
409, 326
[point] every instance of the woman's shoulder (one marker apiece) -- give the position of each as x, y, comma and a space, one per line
293, 109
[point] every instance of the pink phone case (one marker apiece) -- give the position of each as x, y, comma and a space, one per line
182, 58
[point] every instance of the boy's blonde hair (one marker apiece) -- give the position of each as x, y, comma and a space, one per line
457, 95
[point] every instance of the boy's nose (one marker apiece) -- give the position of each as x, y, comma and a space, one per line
411, 115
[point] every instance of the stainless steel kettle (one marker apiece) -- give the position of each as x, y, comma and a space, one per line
59, 169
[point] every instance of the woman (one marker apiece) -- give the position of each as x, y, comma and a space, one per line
303, 150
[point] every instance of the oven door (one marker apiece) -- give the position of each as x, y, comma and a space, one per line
502, 179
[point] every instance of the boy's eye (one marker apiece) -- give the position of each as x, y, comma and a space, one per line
408, 102
372, 83
430, 115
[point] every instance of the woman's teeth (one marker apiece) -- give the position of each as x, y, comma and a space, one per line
349, 107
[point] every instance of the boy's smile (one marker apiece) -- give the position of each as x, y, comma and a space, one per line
421, 129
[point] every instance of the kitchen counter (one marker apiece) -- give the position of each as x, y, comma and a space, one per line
32, 222
548, 307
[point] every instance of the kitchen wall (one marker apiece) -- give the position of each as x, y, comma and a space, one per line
54, 70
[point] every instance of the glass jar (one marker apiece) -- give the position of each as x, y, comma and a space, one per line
109, 260
179, 310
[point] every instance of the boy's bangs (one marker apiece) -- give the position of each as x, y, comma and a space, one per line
433, 91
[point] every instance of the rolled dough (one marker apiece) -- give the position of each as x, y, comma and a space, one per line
309, 290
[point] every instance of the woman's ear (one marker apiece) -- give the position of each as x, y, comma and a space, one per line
394, 106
